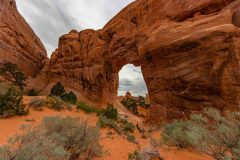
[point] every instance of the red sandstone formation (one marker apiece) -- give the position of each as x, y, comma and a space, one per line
18, 43
188, 51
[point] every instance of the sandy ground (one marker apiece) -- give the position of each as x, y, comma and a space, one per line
115, 148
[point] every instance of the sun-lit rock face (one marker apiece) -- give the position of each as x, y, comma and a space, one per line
188, 51
18, 43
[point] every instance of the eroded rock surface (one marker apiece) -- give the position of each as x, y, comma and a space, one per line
188, 51
18, 43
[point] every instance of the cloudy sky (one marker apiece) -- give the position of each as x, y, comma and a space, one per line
52, 18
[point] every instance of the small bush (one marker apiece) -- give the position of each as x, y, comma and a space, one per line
69, 97
134, 156
126, 126
37, 104
32, 93
182, 133
88, 109
13, 74
130, 104
110, 112
105, 122
69, 106
131, 138
150, 153
4, 87
210, 133
55, 103
129, 127
11, 103
145, 154
56, 138
120, 126
142, 102
57, 90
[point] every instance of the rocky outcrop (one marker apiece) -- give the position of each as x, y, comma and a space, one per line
188, 51
18, 43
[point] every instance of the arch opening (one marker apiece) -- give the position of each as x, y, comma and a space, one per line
131, 80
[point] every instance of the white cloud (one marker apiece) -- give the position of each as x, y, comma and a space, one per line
131, 79
52, 18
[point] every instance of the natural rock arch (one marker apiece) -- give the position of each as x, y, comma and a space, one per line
188, 52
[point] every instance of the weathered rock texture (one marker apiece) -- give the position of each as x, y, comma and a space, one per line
188, 51
18, 43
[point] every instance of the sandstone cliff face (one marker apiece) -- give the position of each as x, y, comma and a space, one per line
188, 51
18, 43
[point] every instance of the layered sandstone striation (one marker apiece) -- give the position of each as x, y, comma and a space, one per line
188, 51
18, 42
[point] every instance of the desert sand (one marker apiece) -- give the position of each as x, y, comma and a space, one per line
115, 148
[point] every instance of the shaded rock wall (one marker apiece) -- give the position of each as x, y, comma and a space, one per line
18, 43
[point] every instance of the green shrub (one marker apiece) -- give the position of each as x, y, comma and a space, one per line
130, 104
129, 127
69, 106
55, 103
142, 102
131, 138
88, 109
69, 97
13, 74
126, 126
105, 122
37, 104
32, 93
11, 103
57, 90
56, 138
4, 87
134, 156
120, 126
182, 133
110, 112
210, 133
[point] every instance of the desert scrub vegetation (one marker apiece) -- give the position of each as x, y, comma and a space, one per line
32, 92
142, 102
56, 138
210, 133
69, 97
131, 104
37, 104
119, 125
87, 108
58, 90
13, 74
145, 154
11, 96
55, 103
109, 118
11, 103
110, 112
131, 138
